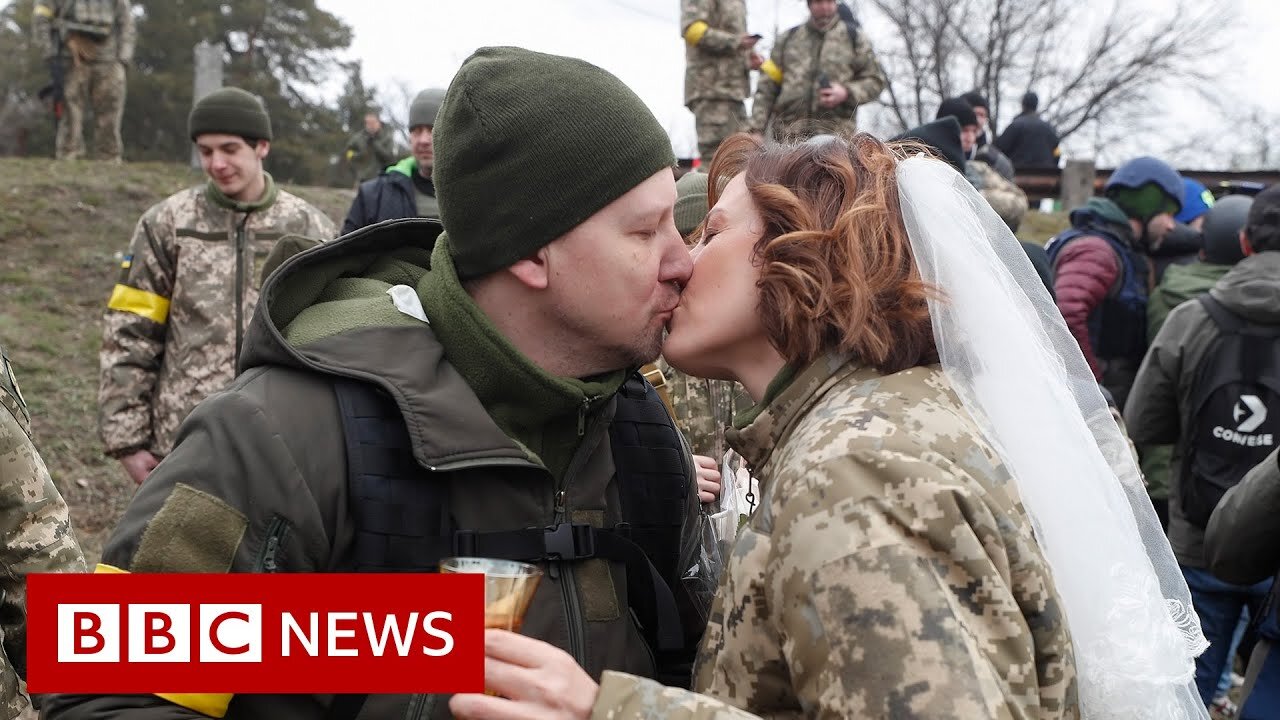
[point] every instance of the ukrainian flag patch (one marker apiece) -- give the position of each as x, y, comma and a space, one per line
127, 262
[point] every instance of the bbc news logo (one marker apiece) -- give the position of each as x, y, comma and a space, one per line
241, 633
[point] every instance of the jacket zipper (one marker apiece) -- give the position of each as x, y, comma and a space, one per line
574, 624
815, 71
420, 706
277, 531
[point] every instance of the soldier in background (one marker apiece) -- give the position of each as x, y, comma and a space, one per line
371, 149
718, 52
36, 531
405, 189
87, 44
701, 408
817, 76
189, 283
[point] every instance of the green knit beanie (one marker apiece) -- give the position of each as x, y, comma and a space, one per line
232, 111
528, 146
691, 201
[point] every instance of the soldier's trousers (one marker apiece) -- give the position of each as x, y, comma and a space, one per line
715, 121
100, 86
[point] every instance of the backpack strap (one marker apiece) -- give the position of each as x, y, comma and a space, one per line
850, 22
1227, 321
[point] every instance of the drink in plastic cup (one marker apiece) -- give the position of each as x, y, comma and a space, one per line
508, 588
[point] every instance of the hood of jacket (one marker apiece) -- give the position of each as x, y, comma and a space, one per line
1102, 213
1252, 288
328, 311
1184, 282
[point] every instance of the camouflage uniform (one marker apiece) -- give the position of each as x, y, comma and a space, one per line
891, 570
787, 92
170, 336
96, 40
37, 535
715, 73
702, 408
371, 153
1006, 198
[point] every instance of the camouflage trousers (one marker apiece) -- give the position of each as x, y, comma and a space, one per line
715, 121
99, 86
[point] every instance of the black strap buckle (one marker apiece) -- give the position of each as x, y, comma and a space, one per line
570, 541
464, 543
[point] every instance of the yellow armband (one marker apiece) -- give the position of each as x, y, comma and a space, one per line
696, 30
773, 71
139, 302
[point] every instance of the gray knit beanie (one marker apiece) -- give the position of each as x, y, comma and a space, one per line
425, 107
232, 111
691, 201
529, 146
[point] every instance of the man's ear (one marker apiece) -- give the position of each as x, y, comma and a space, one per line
1245, 247
533, 271
262, 149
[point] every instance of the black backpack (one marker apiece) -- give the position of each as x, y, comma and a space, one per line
402, 524
1235, 410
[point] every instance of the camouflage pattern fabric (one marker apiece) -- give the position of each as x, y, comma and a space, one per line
370, 154
1006, 198
96, 38
800, 56
169, 336
715, 67
37, 534
891, 570
716, 75
703, 409
716, 120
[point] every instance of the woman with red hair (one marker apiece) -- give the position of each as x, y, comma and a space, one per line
945, 528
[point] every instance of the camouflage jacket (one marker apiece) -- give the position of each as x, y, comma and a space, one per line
371, 154
715, 68
787, 91
702, 408
170, 335
37, 535
108, 23
891, 570
1007, 199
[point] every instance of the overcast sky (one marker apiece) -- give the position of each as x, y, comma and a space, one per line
407, 45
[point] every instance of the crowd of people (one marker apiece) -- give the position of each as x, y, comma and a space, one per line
987, 478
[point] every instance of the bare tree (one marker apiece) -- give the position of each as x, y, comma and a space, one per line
1092, 62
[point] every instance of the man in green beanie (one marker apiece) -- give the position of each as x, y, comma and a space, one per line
188, 283
405, 189
490, 373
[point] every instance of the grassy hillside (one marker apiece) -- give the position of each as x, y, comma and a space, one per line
62, 227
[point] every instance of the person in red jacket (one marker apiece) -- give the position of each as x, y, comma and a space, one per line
1102, 275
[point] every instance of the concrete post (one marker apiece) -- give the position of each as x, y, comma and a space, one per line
1077, 183
208, 77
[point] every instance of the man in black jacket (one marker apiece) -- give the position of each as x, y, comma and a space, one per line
404, 189
1030, 141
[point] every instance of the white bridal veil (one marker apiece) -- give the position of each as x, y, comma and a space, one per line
1007, 351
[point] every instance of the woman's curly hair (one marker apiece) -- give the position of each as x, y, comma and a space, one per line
836, 269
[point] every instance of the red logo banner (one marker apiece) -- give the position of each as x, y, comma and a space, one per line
255, 633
